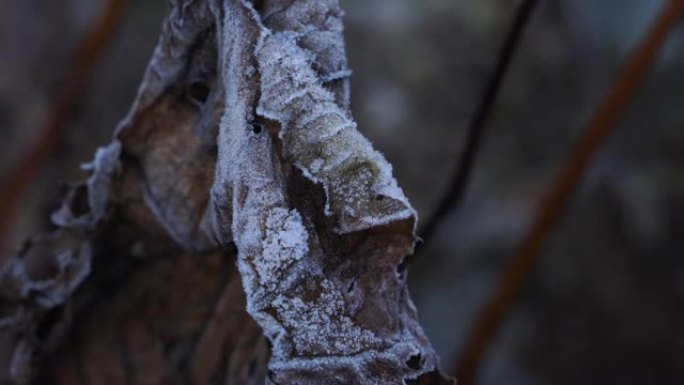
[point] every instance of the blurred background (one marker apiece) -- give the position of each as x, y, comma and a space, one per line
606, 303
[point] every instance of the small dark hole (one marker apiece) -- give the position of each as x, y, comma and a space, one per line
257, 128
198, 91
414, 361
48, 322
80, 205
379, 197
351, 287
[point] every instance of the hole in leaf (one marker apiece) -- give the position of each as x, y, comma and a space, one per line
48, 322
198, 91
79, 203
257, 128
379, 197
351, 287
414, 361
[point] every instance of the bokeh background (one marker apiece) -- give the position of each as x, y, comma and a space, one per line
606, 303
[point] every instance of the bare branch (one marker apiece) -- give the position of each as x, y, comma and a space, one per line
558, 197
459, 179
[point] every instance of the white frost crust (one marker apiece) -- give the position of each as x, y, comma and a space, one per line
272, 239
72, 267
284, 242
321, 327
273, 246
322, 140
104, 169
362, 363
316, 322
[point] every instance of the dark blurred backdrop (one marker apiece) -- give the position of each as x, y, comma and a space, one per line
606, 303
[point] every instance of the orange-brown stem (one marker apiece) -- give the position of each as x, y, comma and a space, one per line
31, 162
556, 200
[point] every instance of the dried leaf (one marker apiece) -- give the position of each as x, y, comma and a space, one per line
240, 143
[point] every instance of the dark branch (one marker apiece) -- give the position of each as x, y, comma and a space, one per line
556, 200
459, 179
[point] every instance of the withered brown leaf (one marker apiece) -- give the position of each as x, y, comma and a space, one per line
239, 146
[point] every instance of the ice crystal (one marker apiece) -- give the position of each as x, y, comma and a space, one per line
322, 327
285, 242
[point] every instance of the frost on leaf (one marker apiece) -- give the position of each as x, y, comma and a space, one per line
240, 143
318, 219
284, 242
322, 140
320, 327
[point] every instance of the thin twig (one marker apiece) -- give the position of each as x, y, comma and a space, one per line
459, 179
31, 163
558, 197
